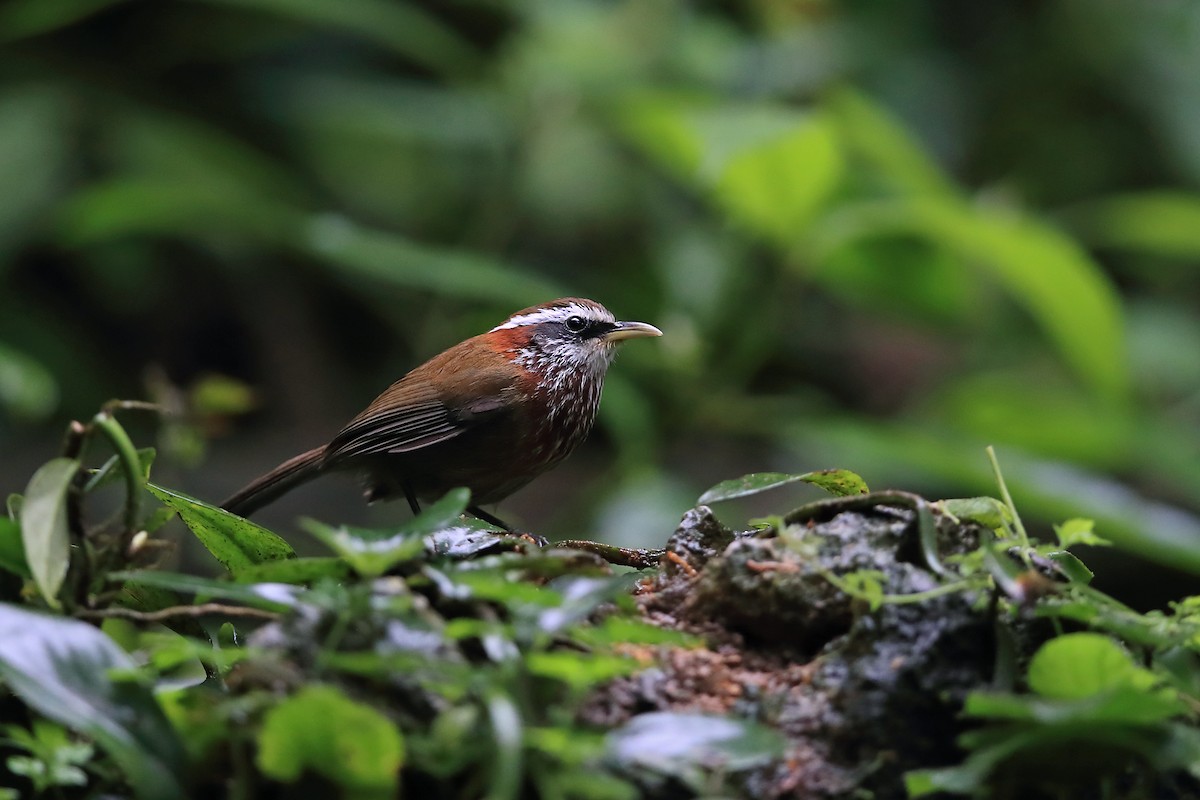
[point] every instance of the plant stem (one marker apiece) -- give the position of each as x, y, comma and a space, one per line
1022, 536
131, 466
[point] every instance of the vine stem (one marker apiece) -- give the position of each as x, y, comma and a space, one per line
1008, 501
131, 467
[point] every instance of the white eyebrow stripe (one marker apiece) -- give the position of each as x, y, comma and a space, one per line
557, 314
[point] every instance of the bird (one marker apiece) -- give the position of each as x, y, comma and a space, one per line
490, 414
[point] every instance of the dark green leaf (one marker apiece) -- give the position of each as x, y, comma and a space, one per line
44, 525
60, 668
319, 729
269, 596
12, 551
235, 542
837, 482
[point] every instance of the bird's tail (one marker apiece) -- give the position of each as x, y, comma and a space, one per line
279, 481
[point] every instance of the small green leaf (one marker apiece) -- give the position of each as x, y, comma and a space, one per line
838, 482
1075, 570
1078, 531
12, 551
61, 668
371, 553
986, 511
580, 671
352, 745
1079, 665
221, 395
237, 543
110, 471
44, 525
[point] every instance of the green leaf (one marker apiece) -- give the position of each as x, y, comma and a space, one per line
776, 187
688, 746
1078, 531
1163, 223
44, 525
110, 471
27, 389
221, 395
409, 31
12, 550
24, 18
1075, 570
60, 668
269, 596
1079, 665
1048, 273
372, 553
237, 543
987, 511
871, 132
319, 729
293, 570
838, 482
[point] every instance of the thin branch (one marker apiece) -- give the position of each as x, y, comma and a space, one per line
201, 610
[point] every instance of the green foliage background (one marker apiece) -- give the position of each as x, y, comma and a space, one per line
878, 235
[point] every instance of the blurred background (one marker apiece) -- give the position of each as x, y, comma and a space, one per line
878, 236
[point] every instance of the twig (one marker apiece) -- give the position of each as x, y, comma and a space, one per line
201, 610
621, 556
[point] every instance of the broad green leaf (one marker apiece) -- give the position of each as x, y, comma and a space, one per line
689, 746
1050, 275
408, 30
60, 668
269, 596
12, 551
293, 570
237, 543
776, 187
320, 730
837, 482
1079, 665
1078, 531
1164, 223
44, 525
390, 259
871, 132
373, 552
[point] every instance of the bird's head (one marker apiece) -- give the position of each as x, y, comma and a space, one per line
571, 334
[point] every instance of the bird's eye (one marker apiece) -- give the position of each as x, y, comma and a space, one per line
576, 324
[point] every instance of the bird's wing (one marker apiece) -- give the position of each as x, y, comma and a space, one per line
412, 414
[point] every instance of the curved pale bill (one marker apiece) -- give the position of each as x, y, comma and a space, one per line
631, 330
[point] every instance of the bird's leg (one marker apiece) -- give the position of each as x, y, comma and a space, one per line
412, 500
479, 513
533, 538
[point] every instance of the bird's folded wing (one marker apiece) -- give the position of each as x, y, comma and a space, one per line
409, 416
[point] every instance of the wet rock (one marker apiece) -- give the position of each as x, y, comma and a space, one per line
862, 696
